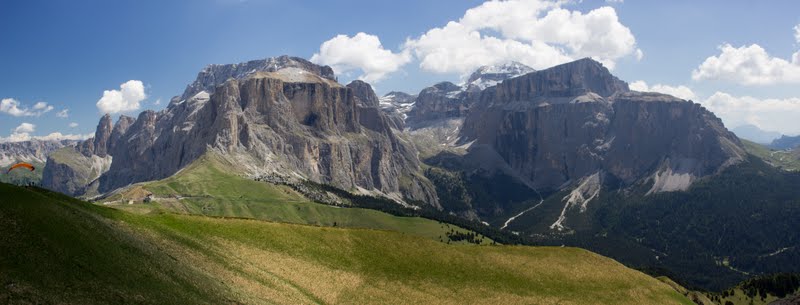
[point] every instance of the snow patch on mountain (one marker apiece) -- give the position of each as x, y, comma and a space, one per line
397, 102
488, 76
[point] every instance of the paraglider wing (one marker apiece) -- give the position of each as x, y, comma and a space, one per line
18, 165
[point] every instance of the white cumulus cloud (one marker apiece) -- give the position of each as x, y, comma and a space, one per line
42, 107
456, 48
57, 136
797, 33
23, 133
749, 65
768, 114
64, 113
677, 91
73, 125
16, 137
25, 127
538, 33
15, 108
127, 98
362, 51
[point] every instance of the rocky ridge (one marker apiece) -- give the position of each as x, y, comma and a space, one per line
282, 114
29, 151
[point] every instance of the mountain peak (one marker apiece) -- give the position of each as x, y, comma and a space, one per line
396, 93
487, 76
583, 64
216, 74
514, 67
364, 93
566, 80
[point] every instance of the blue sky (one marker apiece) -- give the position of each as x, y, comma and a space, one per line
65, 54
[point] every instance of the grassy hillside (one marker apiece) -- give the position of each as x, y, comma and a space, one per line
56, 249
207, 187
786, 160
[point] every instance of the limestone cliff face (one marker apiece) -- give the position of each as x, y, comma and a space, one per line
364, 94
446, 101
657, 131
101, 136
287, 119
120, 128
557, 126
214, 75
70, 170
441, 101
34, 151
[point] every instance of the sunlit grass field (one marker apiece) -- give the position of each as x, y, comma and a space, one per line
56, 249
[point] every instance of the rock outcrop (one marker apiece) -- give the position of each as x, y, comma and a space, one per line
72, 170
447, 101
488, 76
34, 151
102, 134
396, 106
557, 126
365, 96
786, 142
441, 101
280, 115
120, 128
214, 75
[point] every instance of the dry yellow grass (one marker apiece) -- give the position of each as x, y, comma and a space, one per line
107, 256
268, 263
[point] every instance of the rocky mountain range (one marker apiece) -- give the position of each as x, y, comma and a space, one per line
35, 151
564, 124
549, 155
281, 115
547, 130
786, 142
755, 134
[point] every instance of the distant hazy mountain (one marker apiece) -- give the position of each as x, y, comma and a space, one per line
785, 142
29, 151
755, 134
34, 152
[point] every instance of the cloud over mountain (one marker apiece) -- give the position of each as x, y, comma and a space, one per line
127, 98
538, 33
23, 133
676, 91
362, 51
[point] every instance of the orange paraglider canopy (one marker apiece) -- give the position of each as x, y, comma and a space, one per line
18, 165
